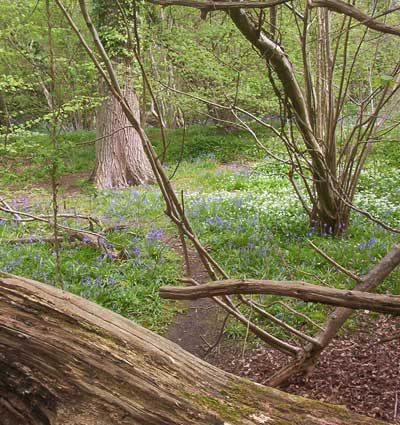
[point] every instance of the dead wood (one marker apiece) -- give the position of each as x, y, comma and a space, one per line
65, 360
296, 289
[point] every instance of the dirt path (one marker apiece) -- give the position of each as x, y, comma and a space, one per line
200, 325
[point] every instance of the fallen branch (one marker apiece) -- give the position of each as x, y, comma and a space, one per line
93, 239
89, 218
6, 205
301, 290
31, 239
90, 240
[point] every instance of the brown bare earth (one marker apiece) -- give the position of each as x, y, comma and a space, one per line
201, 323
356, 370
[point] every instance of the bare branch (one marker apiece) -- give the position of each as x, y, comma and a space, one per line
296, 289
338, 317
279, 322
341, 7
333, 262
218, 5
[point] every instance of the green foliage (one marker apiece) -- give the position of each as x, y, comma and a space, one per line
25, 83
128, 287
201, 141
30, 156
244, 211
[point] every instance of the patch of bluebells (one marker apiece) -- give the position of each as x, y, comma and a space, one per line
135, 250
128, 204
12, 264
217, 222
155, 235
370, 243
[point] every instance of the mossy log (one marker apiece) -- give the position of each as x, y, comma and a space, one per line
67, 361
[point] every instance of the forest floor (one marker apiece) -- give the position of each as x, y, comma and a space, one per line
357, 370
243, 209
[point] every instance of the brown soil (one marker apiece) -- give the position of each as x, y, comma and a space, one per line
200, 325
69, 184
356, 370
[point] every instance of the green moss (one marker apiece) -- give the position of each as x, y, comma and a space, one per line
226, 408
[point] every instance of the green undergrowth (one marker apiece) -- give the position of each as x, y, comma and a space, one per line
240, 204
26, 160
128, 286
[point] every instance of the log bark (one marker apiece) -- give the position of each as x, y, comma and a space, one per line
357, 300
65, 360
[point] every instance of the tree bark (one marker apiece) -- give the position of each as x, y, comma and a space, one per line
120, 158
67, 361
357, 300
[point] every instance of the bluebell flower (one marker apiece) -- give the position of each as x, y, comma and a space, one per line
135, 251
155, 235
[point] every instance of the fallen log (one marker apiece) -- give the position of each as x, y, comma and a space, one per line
67, 361
308, 292
96, 242
31, 239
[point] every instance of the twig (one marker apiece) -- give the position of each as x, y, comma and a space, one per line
291, 309
218, 340
389, 338
280, 323
333, 262
94, 239
31, 239
6, 205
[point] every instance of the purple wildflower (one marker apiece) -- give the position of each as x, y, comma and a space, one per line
155, 235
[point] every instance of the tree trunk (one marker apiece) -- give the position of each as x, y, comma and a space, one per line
120, 158
67, 361
325, 213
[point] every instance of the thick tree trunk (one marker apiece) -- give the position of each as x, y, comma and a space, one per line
120, 158
64, 360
